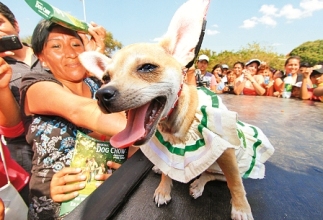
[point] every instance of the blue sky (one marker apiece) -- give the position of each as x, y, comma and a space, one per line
231, 25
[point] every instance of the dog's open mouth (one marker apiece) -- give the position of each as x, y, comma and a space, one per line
141, 124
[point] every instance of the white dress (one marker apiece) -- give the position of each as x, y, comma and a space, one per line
214, 130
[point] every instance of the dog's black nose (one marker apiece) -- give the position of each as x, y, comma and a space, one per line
105, 95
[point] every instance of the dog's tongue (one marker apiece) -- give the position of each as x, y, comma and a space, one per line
134, 130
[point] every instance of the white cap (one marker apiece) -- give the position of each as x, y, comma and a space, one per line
299, 85
203, 57
253, 61
225, 66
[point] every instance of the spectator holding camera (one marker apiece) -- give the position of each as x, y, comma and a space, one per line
229, 85
203, 77
249, 83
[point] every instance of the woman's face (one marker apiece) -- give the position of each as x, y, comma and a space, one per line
292, 66
217, 71
60, 55
253, 68
237, 69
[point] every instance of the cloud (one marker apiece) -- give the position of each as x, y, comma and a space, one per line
212, 32
249, 23
270, 13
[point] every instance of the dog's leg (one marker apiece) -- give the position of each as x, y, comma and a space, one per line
197, 187
240, 207
162, 193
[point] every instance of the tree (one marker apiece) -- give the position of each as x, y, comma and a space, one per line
251, 51
111, 44
26, 39
310, 51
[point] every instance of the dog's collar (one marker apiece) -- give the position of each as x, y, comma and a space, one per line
178, 95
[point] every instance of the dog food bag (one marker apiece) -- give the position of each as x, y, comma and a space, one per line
91, 155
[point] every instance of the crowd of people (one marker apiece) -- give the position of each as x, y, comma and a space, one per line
256, 77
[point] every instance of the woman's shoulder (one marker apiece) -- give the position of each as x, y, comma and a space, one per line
37, 76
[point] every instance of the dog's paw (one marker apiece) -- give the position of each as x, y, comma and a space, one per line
156, 170
240, 215
196, 188
161, 197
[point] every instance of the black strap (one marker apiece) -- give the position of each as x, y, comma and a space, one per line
198, 46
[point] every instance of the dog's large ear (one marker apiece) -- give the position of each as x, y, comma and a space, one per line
184, 30
95, 62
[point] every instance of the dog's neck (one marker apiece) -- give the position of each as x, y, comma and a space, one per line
175, 127
178, 95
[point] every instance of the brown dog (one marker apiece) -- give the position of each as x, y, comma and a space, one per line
195, 132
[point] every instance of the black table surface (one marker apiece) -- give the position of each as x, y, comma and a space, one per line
291, 189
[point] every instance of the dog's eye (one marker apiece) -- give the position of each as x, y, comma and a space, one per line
147, 68
106, 78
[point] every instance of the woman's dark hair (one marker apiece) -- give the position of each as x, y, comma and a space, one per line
40, 35
217, 66
239, 62
7, 13
292, 58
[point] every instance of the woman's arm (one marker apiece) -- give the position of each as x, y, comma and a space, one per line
239, 84
304, 92
257, 84
50, 98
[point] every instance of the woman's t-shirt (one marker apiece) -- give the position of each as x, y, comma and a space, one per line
53, 140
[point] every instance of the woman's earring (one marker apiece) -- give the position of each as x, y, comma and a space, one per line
43, 64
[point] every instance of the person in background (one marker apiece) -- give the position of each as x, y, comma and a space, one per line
311, 79
237, 68
249, 83
217, 71
2, 210
292, 65
202, 74
319, 90
229, 85
225, 69
60, 103
14, 65
296, 90
268, 84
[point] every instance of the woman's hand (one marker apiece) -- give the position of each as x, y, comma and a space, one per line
103, 177
96, 42
61, 187
248, 76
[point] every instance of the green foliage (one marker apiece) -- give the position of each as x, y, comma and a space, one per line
111, 44
311, 52
252, 51
26, 39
